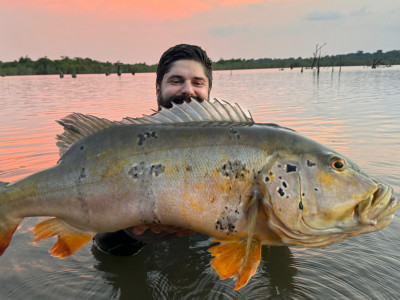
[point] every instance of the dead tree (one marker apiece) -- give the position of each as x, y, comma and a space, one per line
376, 62
317, 57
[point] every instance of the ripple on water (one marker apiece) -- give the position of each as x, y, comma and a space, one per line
355, 112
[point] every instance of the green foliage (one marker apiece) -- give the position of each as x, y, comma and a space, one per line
352, 59
66, 65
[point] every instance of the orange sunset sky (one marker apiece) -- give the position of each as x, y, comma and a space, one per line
135, 31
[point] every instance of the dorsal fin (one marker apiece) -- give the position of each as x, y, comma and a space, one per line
195, 111
77, 126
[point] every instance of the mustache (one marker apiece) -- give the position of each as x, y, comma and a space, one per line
179, 99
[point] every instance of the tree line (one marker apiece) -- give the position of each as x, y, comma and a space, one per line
66, 65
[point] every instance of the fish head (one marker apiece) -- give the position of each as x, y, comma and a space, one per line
320, 197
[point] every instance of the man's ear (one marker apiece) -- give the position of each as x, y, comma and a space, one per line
158, 90
158, 95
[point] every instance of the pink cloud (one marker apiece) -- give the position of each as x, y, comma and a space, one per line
160, 10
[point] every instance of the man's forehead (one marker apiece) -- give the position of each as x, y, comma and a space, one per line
185, 67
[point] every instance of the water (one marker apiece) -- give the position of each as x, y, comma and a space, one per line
355, 112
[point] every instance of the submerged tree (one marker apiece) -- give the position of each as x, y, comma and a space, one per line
317, 57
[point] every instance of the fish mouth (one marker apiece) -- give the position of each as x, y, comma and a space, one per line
378, 209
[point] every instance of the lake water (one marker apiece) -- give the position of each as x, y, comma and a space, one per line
356, 112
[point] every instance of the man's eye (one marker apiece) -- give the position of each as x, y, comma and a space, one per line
175, 81
198, 83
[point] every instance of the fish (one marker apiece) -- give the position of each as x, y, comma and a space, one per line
206, 167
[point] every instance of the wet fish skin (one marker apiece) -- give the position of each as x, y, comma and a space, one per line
86, 187
205, 167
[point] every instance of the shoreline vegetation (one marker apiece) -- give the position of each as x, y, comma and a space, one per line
73, 66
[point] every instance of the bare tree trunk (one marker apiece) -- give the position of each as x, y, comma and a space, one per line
317, 57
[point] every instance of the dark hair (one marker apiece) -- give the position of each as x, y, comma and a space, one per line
183, 51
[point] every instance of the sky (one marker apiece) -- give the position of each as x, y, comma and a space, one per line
139, 31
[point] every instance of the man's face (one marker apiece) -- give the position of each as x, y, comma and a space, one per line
185, 79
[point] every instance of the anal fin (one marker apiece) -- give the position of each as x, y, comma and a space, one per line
69, 240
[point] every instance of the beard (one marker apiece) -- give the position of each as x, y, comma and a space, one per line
177, 99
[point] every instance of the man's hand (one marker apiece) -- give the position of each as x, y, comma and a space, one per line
156, 233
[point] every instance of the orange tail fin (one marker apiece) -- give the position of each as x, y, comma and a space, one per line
232, 259
6, 233
69, 240
7, 225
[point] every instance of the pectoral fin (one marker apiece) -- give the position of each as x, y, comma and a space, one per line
69, 240
239, 258
232, 260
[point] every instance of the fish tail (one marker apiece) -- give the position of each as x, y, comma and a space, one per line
7, 226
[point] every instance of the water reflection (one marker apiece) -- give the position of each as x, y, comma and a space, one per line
149, 273
156, 272
280, 268
355, 113
121, 274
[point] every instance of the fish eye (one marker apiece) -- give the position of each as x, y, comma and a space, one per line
337, 164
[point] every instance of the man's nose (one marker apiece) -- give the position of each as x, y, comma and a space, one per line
187, 88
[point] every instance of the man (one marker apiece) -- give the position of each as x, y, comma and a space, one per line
183, 72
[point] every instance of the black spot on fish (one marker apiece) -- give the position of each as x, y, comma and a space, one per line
156, 220
145, 136
218, 225
80, 194
281, 192
189, 168
316, 189
137, 170
83, 174
234, 169
280, 177
290, 168
141, 139
141, 170
303, 194
234, 132
301, 205
227, 221
266, 179
82, 147
310, 163
156, 170
284, 184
